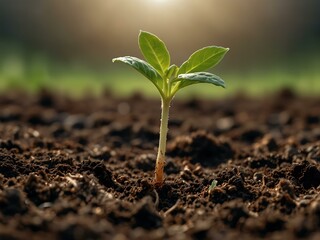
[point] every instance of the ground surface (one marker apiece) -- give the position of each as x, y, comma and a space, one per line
83, 169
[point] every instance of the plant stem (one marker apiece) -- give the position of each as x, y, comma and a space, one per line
165, 105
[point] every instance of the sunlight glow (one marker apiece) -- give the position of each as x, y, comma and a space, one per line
160, 1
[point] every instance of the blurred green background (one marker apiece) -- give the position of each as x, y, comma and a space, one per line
68, 45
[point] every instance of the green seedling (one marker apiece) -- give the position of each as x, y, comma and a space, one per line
212, 186
169, 79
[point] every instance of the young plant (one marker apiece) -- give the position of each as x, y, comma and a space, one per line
169, 79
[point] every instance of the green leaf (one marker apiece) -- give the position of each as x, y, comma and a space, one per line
199, 77
154, 51
203, 59
212, 186
172, 71
144, 68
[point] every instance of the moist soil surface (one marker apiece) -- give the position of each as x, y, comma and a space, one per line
236, 168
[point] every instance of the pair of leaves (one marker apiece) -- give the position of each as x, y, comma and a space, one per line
158, 70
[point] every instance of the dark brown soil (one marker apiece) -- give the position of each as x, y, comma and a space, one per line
83, 169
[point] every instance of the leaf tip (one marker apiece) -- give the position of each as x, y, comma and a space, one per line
140, 36
142, 32
117, 59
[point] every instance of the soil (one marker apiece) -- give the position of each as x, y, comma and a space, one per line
83, 169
